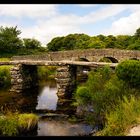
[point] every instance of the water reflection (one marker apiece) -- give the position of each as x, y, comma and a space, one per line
62, 128
47, 98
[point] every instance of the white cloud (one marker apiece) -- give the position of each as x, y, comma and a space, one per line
62, 24
87, 5
125, 25
45, 30
104, 13
30, 10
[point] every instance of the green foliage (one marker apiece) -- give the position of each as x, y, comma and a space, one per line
70, 42
123, 41
137, 34
27, 121
5, 77
135, 45
45, 73
83, 96
129, 71
83, 41
10, 123
9, 40
126, 114
31, 43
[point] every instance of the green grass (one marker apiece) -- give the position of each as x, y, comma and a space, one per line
5, 76
11, 124
46, 73
4, 59
119, 121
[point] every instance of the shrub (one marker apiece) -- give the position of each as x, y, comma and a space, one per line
129, 71
11, 123
83, 95
5, 77
27, 121
125, 115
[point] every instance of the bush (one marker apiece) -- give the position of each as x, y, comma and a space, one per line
5, 77
11, 123
126, 114
83, 96
129, 71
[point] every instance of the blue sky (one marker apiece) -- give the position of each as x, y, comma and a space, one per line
46, 21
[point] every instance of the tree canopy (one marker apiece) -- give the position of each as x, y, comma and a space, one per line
83, 41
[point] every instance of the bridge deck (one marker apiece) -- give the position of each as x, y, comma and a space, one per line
58, 63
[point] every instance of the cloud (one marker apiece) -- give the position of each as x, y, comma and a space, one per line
57, 24
125, 25
45, 30
29, 10
87, 5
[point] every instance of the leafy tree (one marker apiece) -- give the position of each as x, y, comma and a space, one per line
9, 40
123, 41
129, 71
137, 34
55, 44
31, 43
134, 46
110, 41
95, 42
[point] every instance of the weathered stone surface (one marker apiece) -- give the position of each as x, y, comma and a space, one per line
65, 78
23, 77
89, 54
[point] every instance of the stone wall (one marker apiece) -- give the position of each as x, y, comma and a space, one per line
89, 54
66, 81
23, 77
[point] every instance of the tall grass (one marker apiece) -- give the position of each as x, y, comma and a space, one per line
11, 124
5, 76
119, 121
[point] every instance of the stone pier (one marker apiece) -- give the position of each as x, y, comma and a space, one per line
66, 81
23, 77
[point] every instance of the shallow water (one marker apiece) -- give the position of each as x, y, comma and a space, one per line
62, 128
45, 98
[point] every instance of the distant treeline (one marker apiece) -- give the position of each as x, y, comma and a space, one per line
11, 44
83, 41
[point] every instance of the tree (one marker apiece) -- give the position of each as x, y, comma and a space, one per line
9, 40
95, 42
110, 41
31, 43
137, 34
129, 71
123, 41
134, 46
56, 44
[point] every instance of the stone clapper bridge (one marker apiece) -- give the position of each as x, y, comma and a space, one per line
24, 72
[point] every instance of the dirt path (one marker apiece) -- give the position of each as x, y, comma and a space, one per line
135, 131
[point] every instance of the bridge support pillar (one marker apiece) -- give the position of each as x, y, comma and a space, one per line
66, 81
23, 77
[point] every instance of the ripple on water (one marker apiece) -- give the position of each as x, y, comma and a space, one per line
62, 128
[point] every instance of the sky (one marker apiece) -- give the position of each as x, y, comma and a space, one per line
47, 21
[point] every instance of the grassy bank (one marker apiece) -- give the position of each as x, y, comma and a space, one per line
12, 124
125, 115
114, 97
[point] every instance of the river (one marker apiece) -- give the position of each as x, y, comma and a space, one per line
42, 101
